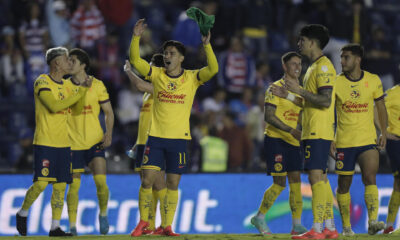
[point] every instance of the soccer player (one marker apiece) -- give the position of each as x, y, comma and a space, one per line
282, 147
174, 90
87, 138
51, 141
356, 92
318, 120
159, 187
392, 149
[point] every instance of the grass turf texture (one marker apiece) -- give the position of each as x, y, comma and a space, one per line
196, 237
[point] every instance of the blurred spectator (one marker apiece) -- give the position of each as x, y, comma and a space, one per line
360, 23
263, 78
240, 146
216, 103
57, 19
214, 153
236, 69
87, 26
242, 106
255, 127
11, 61
155, 12
379, 56
34, 40
147, 46
254, 19
25, 160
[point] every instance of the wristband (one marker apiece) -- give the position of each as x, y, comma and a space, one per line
291, 97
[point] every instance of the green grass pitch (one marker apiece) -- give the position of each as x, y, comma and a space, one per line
195, 237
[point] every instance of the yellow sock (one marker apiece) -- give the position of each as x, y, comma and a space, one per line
57, 199
329, 201
394, 204
102, 192
72, 200
171, 200
371, 201
33, 193
269, 198
295, 200
161, 196
152, 212
145, 198
318, 201
344, 207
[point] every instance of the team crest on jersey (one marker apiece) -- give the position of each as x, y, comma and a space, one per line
324, 68
171, 86
45, 163
61, 95
278, 167
278, 158
339, 165
355, 94
45, 172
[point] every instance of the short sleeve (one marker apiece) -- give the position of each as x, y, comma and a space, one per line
41, 84
378, 91
102, 93
271, 99
325, 76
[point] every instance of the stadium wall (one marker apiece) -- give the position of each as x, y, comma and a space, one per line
209, 203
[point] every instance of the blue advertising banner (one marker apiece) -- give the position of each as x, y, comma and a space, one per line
209, 203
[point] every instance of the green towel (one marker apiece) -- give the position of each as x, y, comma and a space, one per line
205, 22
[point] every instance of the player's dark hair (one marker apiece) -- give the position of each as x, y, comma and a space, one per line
82, 56
354, 48
287, 56
178, 45
157, 60
317, 32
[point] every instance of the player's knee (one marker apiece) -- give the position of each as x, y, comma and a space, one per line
159, 184
147, 182
40, 185
60, 186
369, 179
172, 184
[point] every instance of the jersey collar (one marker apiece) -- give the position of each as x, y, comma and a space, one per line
361, 77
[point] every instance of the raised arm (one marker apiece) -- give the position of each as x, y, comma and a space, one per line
141, 85
206, 73
47, 98
134, 52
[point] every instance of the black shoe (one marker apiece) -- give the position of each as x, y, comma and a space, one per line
59, 233
21, 224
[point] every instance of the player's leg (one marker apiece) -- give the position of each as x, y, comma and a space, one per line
150, 168
392, 149
63, 176
78, 167
72, 201
159, 192
330, 228
296, 202
369, 164
98, 167
316, 157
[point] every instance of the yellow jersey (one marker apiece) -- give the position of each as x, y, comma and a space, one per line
145, 118
51, 128
173, 100
392, 102
286, 111
355, 109
318, 122
84, 128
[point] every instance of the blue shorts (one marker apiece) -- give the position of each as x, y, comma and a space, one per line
164, 153
281, 157
393, 152
316, 154
82, 158
346, 158
52, 164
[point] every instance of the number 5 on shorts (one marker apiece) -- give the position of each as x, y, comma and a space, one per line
307, 151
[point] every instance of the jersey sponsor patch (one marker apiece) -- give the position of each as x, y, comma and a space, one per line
278, 158
324, 68
45, 163
340, 156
